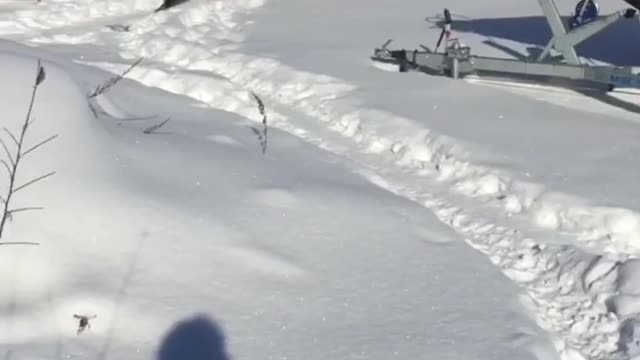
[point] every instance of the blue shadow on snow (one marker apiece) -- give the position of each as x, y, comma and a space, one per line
618, 44
196, 338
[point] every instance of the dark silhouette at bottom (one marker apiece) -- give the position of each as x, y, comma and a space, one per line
196, 338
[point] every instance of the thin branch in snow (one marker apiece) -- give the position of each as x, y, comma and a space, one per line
19, 243
260, 103
93, 110
41, 75
101, 89
6, 167
31, 182
137, 118
13, 161
7, 152
258, 133
153, 128
262, 135
13, 211
13, 137
38, 145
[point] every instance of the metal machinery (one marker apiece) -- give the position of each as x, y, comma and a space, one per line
456, 60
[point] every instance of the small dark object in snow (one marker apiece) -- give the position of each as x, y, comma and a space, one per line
151, 129
41, 75
119, 27
262, 136
83, 323
169, 4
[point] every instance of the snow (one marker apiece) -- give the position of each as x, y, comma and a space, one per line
148, 232
393, 214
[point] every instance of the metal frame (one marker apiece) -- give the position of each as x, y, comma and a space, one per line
457, 60
565, 41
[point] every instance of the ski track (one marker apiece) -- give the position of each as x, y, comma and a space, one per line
569, 286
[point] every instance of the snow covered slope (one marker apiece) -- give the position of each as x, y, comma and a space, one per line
286, 255
541, 180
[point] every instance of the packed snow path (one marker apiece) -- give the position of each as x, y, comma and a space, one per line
565, 252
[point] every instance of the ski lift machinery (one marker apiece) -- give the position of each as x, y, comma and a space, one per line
457, 60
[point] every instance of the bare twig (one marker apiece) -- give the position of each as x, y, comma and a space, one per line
12, 211
260, 103
38, 145
34, 181
15, 141
19, 243
101, 89
40, 78
6, 167
14, 161
262, 136
26, 209
6, 150
151, 129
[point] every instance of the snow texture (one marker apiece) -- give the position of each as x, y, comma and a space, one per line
393, 214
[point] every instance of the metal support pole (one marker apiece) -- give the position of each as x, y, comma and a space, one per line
578, 35
455, 68
455, 62
559, 32
564, 41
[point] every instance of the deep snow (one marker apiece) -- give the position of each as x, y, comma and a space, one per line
540, 179
291, 254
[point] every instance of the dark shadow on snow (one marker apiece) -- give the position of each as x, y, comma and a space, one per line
196, 338
122, 291
618, 44
612, 101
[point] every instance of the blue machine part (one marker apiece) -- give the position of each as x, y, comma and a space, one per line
583, 16
624, 81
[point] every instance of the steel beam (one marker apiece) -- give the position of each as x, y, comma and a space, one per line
459, 63
565, 41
